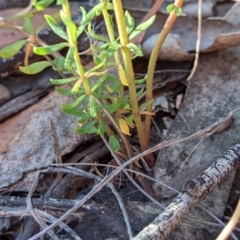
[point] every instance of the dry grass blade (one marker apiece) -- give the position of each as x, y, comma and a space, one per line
226, 232
198, 43
34, 214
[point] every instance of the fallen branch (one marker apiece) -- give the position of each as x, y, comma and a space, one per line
193, 192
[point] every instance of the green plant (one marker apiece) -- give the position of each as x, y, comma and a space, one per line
99, 93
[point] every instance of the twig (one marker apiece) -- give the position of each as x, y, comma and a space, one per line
32, 210
193, 192
52, 204
125, 214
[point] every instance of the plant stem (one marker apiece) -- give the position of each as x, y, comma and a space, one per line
110, 31
128, 68
66, 10
151, 66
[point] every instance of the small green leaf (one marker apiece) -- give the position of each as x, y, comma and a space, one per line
172, 8
12, 49
178, 11
35, 67
75, 103
110, 6
55, 16
99, 92
55, 27
69, 58
101, 128
42, 4
59, 61
115, 83
144, 105
49, 49
92, 106
28, 26
96, 67
129, 20
90, 15
94, 35
127, 107
111, 108
69, 24
83, 22
137, 50
77, 112
109, 89
130, 119
84, 118
140, 92
108, 53
76, 86
88, 128
99, 82
63, 81
141, 81
114, 143
102, 47
98, 8
68, 92
142, 27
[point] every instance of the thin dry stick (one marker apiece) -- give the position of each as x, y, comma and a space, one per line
32, 210
198, 43
142, 159
226, 232
50, 218
108, 178
124, 211
193, 192
110, 185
